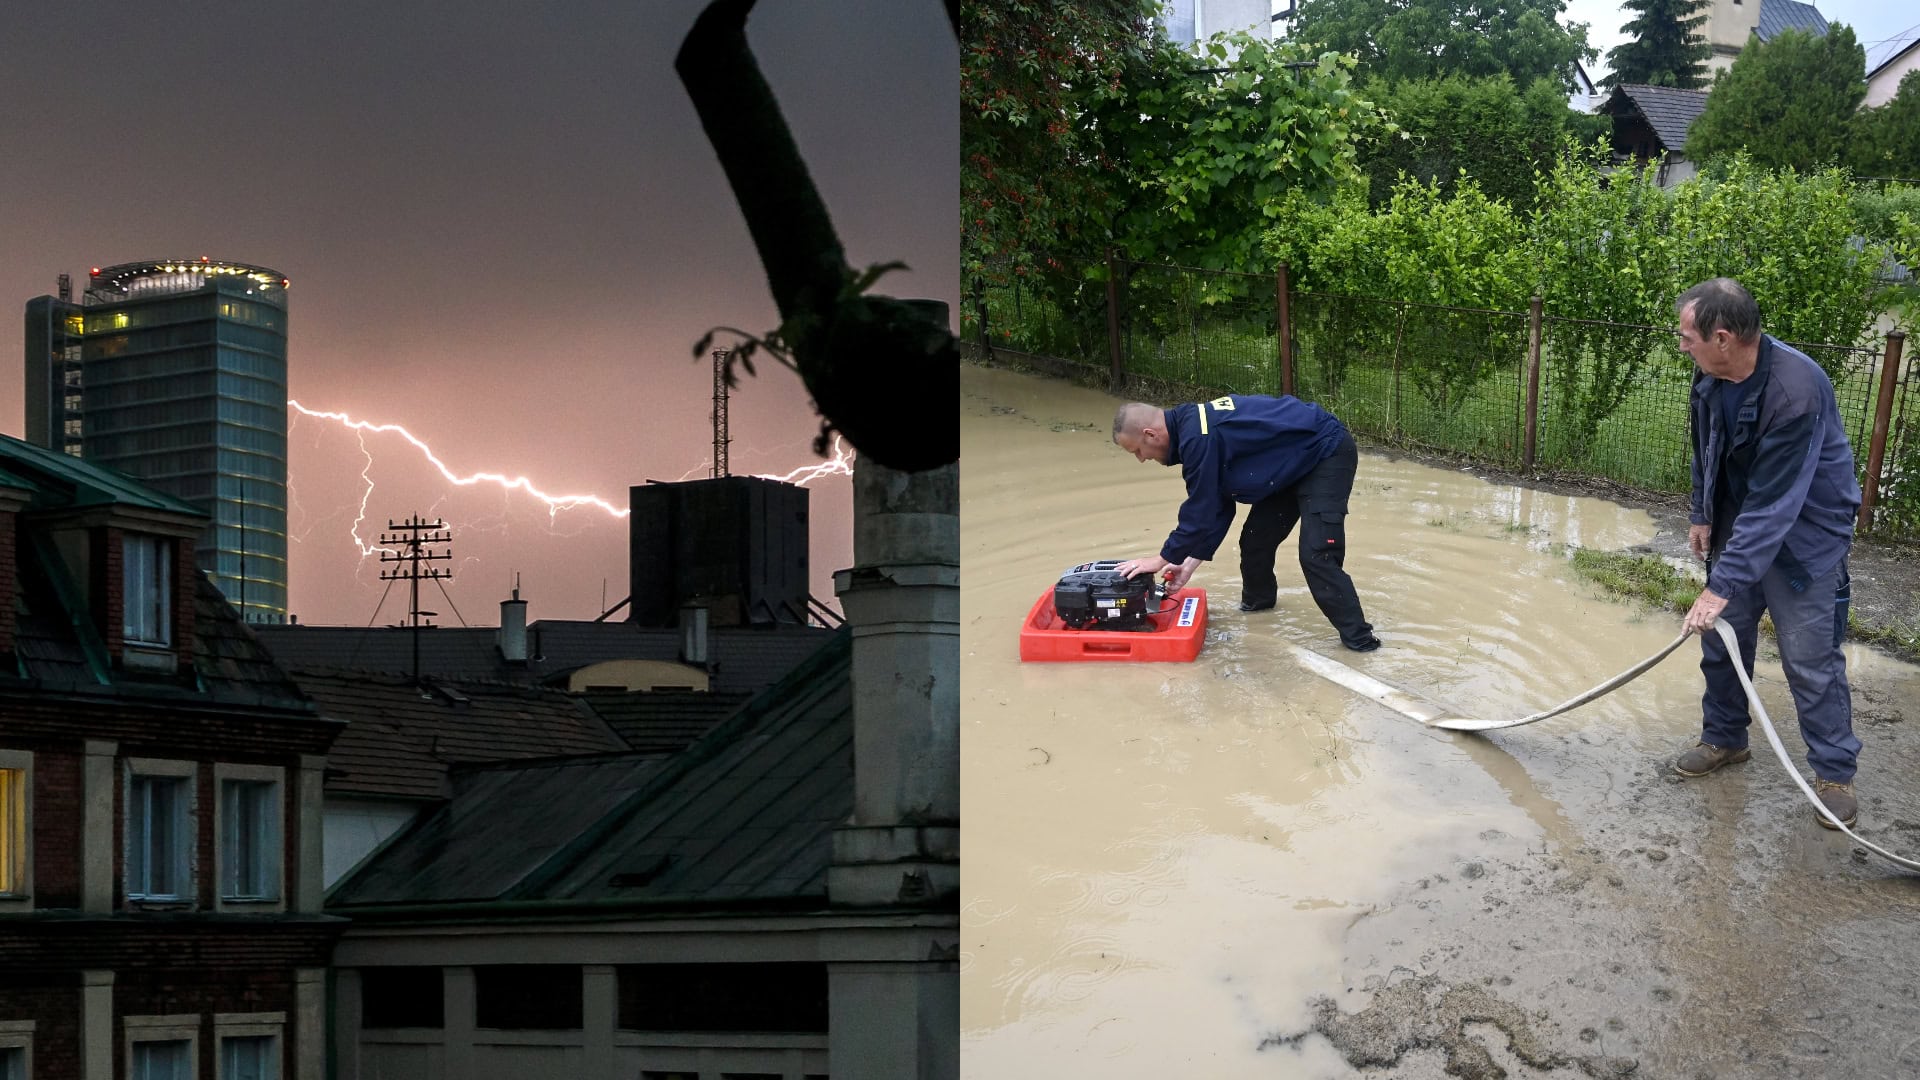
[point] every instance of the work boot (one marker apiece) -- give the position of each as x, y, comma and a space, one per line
1839, 801
1365, 644
1249, 605
1706, 757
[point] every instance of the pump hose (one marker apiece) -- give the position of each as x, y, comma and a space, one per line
1458, 723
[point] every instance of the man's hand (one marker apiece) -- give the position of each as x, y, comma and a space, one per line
1152, 564
1705, 610
1699, 537
1182, 573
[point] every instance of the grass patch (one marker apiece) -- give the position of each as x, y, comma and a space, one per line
1651, 580
1647, 579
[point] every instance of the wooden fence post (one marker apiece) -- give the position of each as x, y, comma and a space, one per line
1113, 320
1533, 382
1281, 286
1882, 422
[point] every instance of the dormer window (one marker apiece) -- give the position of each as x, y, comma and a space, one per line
147, 564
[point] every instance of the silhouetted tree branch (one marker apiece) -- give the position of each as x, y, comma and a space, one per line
883, 372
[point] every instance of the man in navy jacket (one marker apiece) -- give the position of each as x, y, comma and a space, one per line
1293, 461
1774, 499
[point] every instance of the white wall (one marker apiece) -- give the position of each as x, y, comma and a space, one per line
1886, 82
354, 827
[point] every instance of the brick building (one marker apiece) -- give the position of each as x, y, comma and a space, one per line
160, 801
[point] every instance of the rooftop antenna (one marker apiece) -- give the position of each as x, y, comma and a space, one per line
720, 439
412, 538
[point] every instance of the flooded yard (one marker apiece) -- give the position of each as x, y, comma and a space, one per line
1238, 868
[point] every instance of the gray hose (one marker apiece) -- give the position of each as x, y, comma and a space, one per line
1458, 723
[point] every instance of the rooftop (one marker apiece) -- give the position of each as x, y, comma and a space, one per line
743, 818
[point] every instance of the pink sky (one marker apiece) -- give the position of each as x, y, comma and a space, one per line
504, 231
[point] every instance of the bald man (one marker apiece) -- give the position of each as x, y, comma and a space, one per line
1294, 463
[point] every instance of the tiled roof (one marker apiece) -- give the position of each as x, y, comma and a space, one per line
401, 741
1669, 111
1778, 15
662, 720
747, 659
744, 816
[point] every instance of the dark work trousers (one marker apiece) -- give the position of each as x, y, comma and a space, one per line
1809, 623
1318, 504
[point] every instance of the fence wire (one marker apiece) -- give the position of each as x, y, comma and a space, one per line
1449, 379
1896, 516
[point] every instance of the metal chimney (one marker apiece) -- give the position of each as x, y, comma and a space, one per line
693, 634
512, 636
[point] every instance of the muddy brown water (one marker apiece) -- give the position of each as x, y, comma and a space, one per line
1237, 868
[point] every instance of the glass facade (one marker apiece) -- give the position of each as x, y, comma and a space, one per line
181, 380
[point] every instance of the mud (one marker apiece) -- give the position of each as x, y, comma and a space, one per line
1236, 868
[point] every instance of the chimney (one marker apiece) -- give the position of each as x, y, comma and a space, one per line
512, 636
693, 634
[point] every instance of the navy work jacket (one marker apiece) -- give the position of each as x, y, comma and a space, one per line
1240, 449
1780, 486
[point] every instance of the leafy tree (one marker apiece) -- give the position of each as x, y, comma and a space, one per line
1037, 176
1667, 48
1424, 39
1788, 102
1485, 128
1886, 140
1211, 151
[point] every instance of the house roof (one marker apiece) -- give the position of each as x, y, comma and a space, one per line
744, 817
1669, 111
1892, 57
403, 741
747, 658
1778, 15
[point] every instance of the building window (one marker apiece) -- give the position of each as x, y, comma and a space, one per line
159, 824
247, 1046
249, 1057
787, 997
16, 1049
402, 997
147, 566
528, 997
250, 853
16, 783
169, 1059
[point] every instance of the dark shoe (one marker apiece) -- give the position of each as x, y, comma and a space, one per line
1248, 605
1707, 757
1367, 644
1839, 801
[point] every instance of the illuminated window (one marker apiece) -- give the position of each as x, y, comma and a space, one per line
14, 776
147, 564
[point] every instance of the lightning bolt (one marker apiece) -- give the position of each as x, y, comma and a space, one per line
841, 464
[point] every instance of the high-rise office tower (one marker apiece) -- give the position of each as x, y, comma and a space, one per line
175, 371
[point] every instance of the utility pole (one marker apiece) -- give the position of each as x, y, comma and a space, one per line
412, 537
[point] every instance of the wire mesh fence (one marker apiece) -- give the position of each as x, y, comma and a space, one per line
1612, 402
1209, 330
1450, 379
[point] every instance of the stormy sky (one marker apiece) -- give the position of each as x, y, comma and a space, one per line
504, 230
